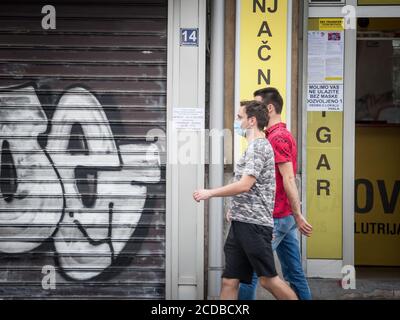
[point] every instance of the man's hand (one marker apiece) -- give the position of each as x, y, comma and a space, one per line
304, 227
202, 195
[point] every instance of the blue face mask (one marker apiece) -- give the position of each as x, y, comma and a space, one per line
238, 129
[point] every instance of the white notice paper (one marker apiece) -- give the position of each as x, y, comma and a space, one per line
325, 70
188, 118
325, 97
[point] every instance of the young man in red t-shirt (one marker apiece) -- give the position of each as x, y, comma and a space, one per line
287, 212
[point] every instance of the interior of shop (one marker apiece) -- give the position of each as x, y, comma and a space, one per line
377, 170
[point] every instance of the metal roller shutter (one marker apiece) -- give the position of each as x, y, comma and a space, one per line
82, 189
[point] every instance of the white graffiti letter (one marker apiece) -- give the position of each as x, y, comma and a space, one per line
96, 189
105, 188
28, 182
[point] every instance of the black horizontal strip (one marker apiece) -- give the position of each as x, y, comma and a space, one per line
86, 211
92, 152
88, 3
73, 166
57, 33
96, 297
87, 225
81, 47
99, 18
143, 122
97, 91
73, 181
112, 93
87, 268
39, 254
132, 239
78, 197
122, 63
110, 108
24, 283
98, 196
141, 138
100, 78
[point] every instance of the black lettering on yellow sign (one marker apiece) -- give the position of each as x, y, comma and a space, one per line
389, 205
263, 53
264, 29
388, 202
326, 138
262, 5
266, 78
264, 56
323, 185
381, 228
369, 198
323, 162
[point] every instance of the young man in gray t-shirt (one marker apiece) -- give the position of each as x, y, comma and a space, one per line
248, 246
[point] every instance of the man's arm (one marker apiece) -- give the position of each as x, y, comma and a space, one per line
289, 184
232, 189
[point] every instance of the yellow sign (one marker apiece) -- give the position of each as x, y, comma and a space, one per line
324, 184
330, 24
324, 170
263, 49
263, 56
377, 189
325, 24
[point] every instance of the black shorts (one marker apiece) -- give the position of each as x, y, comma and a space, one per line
247, 248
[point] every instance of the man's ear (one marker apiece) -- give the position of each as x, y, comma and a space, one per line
252, 122
270, 108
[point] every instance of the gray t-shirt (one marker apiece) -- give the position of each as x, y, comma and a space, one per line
257, 205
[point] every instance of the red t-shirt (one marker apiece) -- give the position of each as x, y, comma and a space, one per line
285, 150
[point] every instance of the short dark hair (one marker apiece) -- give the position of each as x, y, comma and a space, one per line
258, 110
271, 96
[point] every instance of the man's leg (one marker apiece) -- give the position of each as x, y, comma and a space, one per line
281, 228
237, 265
288, 251
278, 288
258, 248
248, 291
229, 289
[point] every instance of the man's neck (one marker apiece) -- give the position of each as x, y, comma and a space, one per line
254, 134
273, 120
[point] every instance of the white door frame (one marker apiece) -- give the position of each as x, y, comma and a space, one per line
349, 115
186, 81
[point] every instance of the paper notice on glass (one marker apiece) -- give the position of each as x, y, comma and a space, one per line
333, 69
325, 56
325, 97
191, 119
316, 69
325, 70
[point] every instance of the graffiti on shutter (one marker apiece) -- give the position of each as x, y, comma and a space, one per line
80, 173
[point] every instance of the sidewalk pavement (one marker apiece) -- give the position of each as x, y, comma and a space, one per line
330, 289
372, 283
